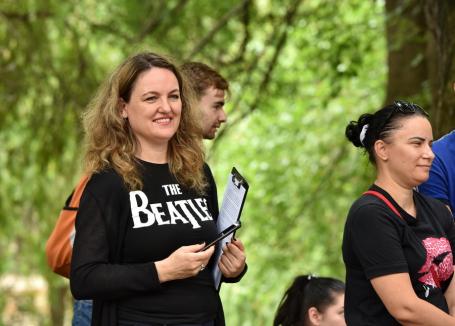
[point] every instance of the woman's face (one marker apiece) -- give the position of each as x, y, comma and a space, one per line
154, 108
407, 153
334, 314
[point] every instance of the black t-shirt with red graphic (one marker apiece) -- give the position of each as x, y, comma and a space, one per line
378, 242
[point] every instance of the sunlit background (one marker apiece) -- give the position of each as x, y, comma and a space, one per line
299, 70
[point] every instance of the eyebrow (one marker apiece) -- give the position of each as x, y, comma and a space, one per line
157, 93
419, 138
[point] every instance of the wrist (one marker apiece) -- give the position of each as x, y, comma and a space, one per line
162, 271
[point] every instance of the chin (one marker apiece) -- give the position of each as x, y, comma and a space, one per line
421, 180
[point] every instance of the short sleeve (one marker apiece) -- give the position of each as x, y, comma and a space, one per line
449, 225
375, 238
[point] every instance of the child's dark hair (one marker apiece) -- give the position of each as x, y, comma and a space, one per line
372, 127
305, 292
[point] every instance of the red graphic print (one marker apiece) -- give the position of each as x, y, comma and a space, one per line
439, 263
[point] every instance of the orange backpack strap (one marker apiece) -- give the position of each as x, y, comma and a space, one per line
59, 246
384, 199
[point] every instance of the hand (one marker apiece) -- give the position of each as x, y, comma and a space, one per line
232, 261
185, 262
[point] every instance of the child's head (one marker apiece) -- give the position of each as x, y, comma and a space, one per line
312, 300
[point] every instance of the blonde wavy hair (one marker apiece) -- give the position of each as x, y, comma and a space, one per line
111, 143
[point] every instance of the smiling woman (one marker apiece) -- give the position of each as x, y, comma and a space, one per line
398, 244
149, 206
153, 112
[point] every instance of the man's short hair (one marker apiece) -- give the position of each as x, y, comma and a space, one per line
202, 77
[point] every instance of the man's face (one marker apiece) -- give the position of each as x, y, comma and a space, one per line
212, 108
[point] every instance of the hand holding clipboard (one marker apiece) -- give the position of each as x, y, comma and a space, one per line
230, 211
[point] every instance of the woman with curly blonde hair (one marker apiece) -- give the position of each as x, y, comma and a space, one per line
150, 204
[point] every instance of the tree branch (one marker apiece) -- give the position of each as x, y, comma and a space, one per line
289, 19
223, 21
155, 22
26, 16
110, 29
246, 37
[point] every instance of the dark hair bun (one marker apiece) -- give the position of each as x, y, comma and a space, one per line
354, 128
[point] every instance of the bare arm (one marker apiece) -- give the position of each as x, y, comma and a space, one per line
450, 297
398, 296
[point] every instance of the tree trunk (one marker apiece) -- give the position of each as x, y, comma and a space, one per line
440, 19
421, 49
405, 29
58, 298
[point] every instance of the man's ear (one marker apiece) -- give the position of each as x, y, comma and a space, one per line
314, 316
380, 148
122, 106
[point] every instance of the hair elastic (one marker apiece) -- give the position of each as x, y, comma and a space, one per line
363, 134
311, 276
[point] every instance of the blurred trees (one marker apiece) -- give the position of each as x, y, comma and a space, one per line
299, 71
421, 50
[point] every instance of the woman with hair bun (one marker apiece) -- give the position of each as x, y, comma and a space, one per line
398, 244
312, 301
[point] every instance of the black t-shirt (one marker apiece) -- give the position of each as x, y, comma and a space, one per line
159, 218
377, 242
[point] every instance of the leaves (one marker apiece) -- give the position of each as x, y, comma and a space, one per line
299, 71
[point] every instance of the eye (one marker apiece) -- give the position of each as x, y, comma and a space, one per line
174, 97
417, 143
151, 99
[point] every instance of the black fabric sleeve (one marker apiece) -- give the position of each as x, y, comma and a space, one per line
92, 276
449, 226
376, 240
235, 279
212, 193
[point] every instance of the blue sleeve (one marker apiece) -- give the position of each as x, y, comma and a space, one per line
437, 184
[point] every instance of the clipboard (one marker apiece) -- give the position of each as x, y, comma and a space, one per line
230, 212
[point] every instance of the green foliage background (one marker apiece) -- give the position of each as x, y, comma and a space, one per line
299, 71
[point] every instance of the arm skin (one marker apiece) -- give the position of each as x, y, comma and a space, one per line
398, 296
450, 297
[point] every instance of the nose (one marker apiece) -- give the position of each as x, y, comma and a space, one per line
222, 117
429, 153
165, 106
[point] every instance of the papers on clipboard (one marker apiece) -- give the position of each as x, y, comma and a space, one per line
231, 208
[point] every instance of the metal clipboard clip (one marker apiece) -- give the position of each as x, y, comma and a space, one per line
237, 179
